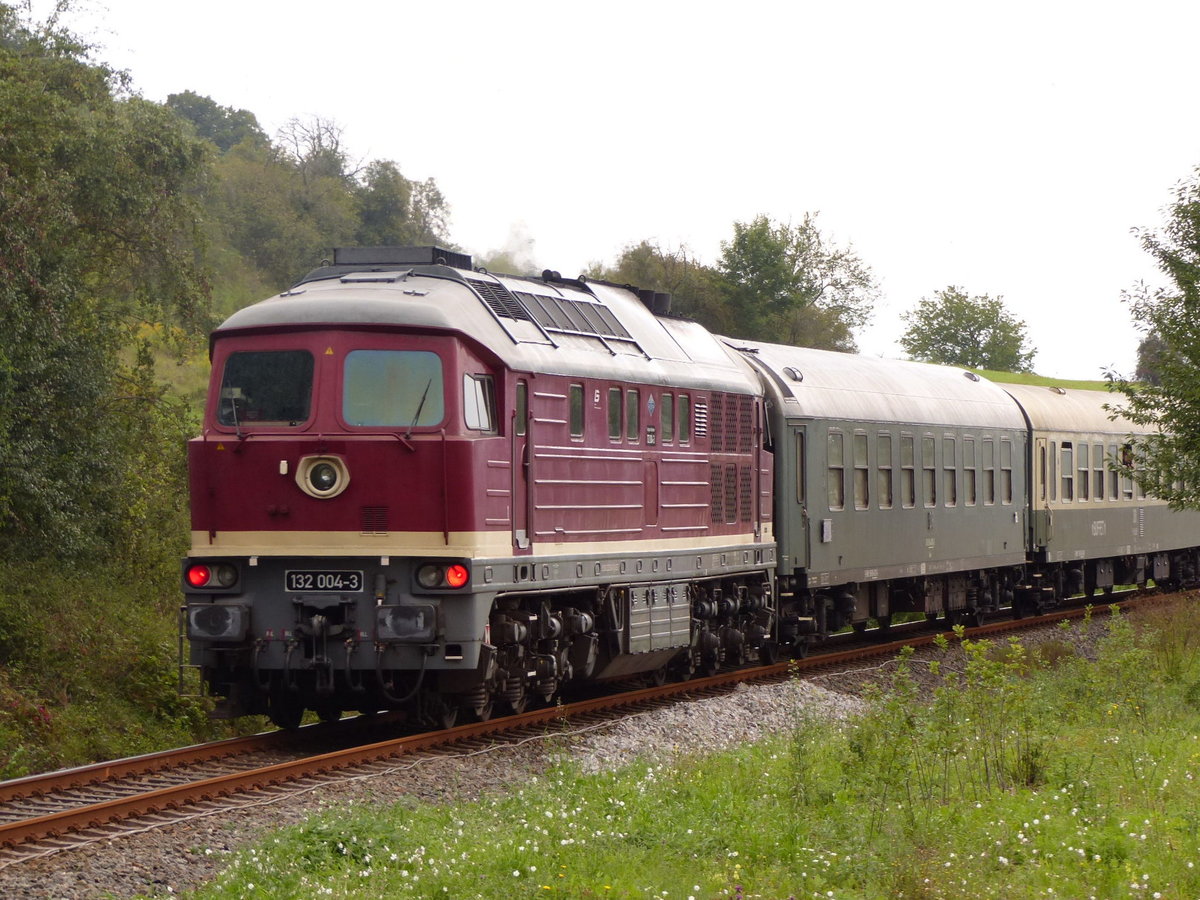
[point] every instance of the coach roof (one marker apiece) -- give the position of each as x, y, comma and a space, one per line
810, 383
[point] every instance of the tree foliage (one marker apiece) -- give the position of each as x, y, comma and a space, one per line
774, 282
786, 283
98, 236
222, 125
955, 329
1167, 461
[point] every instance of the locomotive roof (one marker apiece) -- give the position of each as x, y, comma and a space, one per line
809, 383
548, 325
1069, 409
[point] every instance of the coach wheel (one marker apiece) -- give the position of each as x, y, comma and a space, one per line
800, 649
884, 623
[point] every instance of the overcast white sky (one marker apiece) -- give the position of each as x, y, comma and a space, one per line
1005, 148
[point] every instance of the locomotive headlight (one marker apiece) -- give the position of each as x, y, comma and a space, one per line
442, 576
213, 622
322, 476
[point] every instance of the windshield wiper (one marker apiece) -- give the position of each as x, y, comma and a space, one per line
420, 406
237, 427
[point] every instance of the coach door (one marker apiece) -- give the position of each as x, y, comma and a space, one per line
795, 543
521, 463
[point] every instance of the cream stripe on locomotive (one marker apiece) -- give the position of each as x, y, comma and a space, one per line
468, 544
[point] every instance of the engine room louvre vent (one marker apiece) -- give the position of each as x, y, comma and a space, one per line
745, 424
700, 415
717, 402
573, 316
374, 520
499, 299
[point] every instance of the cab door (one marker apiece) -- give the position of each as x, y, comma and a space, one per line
522, 461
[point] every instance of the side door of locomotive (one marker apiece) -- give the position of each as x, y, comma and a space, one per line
522, 461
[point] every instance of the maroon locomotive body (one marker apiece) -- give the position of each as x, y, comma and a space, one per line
426, 487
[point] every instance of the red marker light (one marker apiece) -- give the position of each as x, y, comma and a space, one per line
198, 576
456, 576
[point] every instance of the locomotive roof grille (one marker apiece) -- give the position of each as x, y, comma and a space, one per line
499, 299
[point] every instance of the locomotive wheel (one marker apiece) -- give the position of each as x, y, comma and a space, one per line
768, 653
516, 706
285, 712
328, 712
440, 714
658, 677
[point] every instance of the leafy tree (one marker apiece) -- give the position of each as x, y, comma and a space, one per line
694, 287
1167, 462
786, 283
955, 329
1149, 359
223, 125
98, 236
393, 211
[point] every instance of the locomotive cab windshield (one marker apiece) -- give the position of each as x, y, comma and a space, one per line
266, 387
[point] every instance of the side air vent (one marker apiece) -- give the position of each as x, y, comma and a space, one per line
374, 520
499, 299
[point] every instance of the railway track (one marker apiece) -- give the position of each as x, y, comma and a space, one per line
44, 814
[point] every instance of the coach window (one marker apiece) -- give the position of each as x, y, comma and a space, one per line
1114, 477
392, 388
908, 472
479, 402
883, 451
576, 410
969, 498
929, 471
1081, 452
614, 414
837, 470
1097, 471
989, 472
949, 472
685, 418
633, 427
1006, 471
667, 418
1068, 472
1052, 478
862, 475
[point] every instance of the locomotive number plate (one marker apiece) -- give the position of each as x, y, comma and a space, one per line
322, 581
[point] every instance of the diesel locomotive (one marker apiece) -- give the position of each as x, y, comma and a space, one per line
424, 486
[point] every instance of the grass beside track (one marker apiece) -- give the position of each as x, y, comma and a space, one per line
1009, 773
